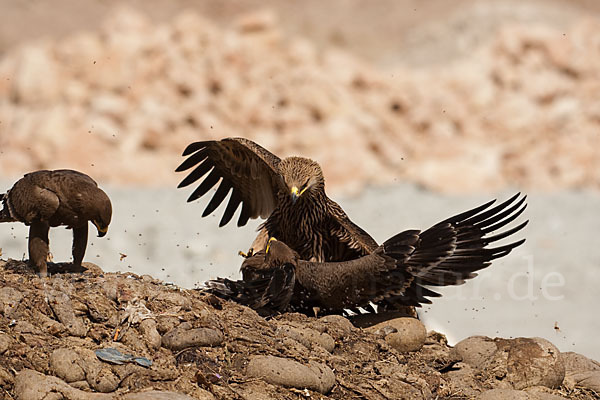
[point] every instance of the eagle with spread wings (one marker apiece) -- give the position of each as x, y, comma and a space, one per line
397, 274
289, 193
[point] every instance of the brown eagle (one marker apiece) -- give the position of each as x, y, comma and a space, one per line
44, 199
289, 193
395, 275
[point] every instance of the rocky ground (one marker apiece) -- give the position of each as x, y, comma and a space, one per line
204, 348
121, 103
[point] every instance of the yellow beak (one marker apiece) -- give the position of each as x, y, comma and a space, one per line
269, 244
296, 194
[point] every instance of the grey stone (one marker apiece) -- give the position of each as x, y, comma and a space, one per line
180, 338
290, 373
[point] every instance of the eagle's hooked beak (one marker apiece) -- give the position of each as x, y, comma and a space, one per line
295, 194
101, 230
269, 244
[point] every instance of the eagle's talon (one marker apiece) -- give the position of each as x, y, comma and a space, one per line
247, 255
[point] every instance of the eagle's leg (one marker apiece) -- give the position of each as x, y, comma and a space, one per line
80, 237
39, 245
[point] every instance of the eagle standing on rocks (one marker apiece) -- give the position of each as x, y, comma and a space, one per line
395, 275
44, 199
289, 192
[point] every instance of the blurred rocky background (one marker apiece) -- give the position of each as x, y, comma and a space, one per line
460, 96
415, 109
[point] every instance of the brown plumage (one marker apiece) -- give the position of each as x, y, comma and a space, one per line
396, 274
44, 199
289, 193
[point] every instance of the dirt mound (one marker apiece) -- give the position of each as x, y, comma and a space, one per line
98, 336
122, 103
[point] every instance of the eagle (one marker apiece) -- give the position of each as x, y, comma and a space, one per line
289, 193
397, 274
44, 199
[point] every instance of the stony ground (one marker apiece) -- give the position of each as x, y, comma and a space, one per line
205, 348
121, 101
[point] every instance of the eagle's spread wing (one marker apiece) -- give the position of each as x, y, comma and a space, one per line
351, 240
272, 290
451, 251
399, 271
244, 167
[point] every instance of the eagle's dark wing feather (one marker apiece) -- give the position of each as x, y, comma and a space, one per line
399, 272
243, 167
271, 291
451, 251
353, 241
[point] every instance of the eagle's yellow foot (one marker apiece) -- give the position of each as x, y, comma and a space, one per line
247, 255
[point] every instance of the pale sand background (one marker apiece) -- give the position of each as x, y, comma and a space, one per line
165, 237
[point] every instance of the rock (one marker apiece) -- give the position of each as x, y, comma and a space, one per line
308, 337
32, 385
531, 362
26, 327
335, 325
5, 342
512, 394
150, 333
64, 364
543, 393
581, 371
161, 395
289, 373
368, 320
461, 379
180, 338
165, 323
406, 334
98, 375
91, 268
575, 362
6, 378
505, 394
38, 78
9, 300
586, 379
63, 308
257, 21
48, 324
99, 307
475, 350
520, 362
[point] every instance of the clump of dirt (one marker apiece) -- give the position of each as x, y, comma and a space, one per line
202, 347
